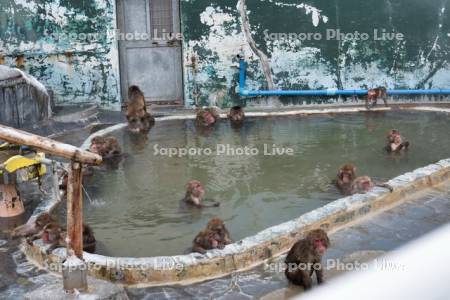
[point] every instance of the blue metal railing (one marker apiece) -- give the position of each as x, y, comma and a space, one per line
329, 92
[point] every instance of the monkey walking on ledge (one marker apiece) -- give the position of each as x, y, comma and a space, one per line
373, 95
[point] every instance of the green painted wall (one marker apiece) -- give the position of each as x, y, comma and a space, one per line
421, 60
66, 44
85, 68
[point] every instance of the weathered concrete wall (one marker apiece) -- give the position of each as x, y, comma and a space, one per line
65, 44
84, 67
213, 33
23, 100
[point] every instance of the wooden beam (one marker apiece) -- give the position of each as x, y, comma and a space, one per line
75, 210
20, 137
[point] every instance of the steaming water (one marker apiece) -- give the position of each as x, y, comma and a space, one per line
141, 214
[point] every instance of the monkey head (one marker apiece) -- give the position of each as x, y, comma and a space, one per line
51, 233
364, 183
236, 114
372, 93
213, 239
97, 145
138, 122
347, 173
195, 188
207, 116
44, 219
319, 241
216, 225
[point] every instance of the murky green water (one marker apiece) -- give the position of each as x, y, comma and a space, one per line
137, 207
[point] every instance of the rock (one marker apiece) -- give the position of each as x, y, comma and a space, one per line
98, 290
23, 100
3, 242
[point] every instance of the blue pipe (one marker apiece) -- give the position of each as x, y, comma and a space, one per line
330, 92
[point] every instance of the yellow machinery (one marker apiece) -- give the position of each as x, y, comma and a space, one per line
16, 168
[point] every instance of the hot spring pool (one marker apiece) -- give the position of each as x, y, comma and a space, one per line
135, 210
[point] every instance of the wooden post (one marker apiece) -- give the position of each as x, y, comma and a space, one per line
74, 210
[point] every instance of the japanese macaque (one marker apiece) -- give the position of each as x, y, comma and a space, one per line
395, 142
54, 235
194, 195
139, 119
305, 258
364, 184
106, 147
89, 241
33, 227
373, 95
214, 236
207, 116
236, 115
345, 177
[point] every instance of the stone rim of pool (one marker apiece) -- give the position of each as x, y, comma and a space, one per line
254, 250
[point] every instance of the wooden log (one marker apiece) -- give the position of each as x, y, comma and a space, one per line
20, 137
75, 210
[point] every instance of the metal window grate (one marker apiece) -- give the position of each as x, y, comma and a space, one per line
161, 16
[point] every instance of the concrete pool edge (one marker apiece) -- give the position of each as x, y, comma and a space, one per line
293, 112
251, 251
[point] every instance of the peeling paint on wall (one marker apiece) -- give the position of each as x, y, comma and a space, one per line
66, 44
420, 60
213, 37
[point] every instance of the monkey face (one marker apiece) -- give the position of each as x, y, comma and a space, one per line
195, 188
347, 174
208, 118
366, 185
320, 240
95, 148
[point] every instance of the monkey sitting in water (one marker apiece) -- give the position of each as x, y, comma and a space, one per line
194, 195
373, 95
214, 236
207, 116
107, 147
349, 184
395, 142
305, 258
139, 119
236, 115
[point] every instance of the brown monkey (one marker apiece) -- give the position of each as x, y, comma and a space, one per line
395, 141
207, 116
217, 225
345, 177
106, 147
89, 241
305, 258
363, 184
236, 115
195, 193
214, 236
373, 95
139, 119
205, 240
54, 235
33, 226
